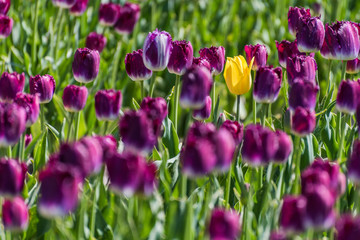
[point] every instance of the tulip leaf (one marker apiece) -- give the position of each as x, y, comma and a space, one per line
170, 138
135, 104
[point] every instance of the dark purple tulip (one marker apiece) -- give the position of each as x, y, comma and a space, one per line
278, 235
303, 94
294, 18
108, 145
43, 86
303, 121
224, 146
235, 128
204, 112
109, 13
216, 58
259, 53
197, 83
224, 224
6, 25
267, 84
201, 62
95, 41
64, 3
74, 98
348, 96
310, 35
156, 111
11, 84
4, 6
128, 16
157, 50
310, 178
85, 66
347, 227
287, 49
354, 162
31, 105
12, 176
149, 181
353, 66
285, 147
59, 191
136, 131
15, 215
303, 67
135, 67
341, 41
28, 139
292, 214
107, 104
13, 123
79, 7
181, 57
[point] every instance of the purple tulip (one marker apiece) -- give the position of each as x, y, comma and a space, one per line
287, 49
216, 58
137, 132
292, 214
95, 41
85, 66
224, 224
64, 3
201, 62
109, 13
12, 177
28, 139
196, 86
204, 112
303, 94
43, 86
12, 125
59, 191
135, 67
354, 162
15, 215
341, 41
181, 57
235, 128
79, 7
303, 121
285, 147
259, 53
31, 105
11, 84
353, 66
4, 6
301, 66
128, 16
107, 104
108, 145
294, 18
156, 111
157, 49
348, 96
278, 235
267, 84
6, 25
224, 146
74, 98
310, 34
347, 227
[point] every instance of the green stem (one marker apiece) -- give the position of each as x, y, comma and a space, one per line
69, 126
228, 186
260, 176
77, 121
296, 164
142, 91
9, 152
176, 101
152, 85
329, 78
342, 136
269, 114
343, 71
22, 147
264, 112
42, 117
106, 124
184, 186
35, 29
116, 64
238, 108
58, 33
213, 99
254, 104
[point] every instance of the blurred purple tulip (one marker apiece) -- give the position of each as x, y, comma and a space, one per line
43, 86
294, 18
267, 84
156, 111
85, 65
348, 96
292, 214
15, 215
11, 84
109, 13
74, 98
224, 224
31, 105
129, 14
301, 67
303, 94
204, 112
107, 104
95, 41
12, 177
79, 7
6, 25
303, 121
135, 67
13, 123
4, 6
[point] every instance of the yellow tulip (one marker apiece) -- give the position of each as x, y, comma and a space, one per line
237, 75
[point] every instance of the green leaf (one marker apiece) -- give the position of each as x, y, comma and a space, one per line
170, 138
135, 104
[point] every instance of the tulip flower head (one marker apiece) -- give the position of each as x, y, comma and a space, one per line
235, 128
354, 162
216, 58
224, 224
28, 139
15, 215
6, 25
129, 14
348, 96
31, 105
292, 214
287, 49
181, 57
301, 67
201, 62
348, 227
204, 112
303, 94
294, 18
259, 53
12, 177
13, 123
109, 13
135, 67
267, 84
43, 86
108, 104
85, 66
64, 3
79, 7
95, 41
156, 111
310, 34
353, 66
303, 121
4, 6
74, 98
11, 84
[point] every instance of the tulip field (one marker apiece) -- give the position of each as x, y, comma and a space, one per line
180, 119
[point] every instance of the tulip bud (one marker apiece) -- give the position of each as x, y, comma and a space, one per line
43, 86
15, 215
292, 214
157, 49
267, 84
85, 66
301, 66
64, 3
4, 6
11, 84
108, 145
353, 66
135, 68
259, 53
12, 125
237, 75
216, 58
31, 105
287, 49
347, 227
59, 191
137, 132
303, 121
128, 16
12, 176
28, 139
201, 62
79, 7
224, 224
95, 41
181, 57
354, 162
341, 41
204, 112
74, 98
109, 14
348, 96
285, 147
197, 83
107, 104
310, 34
294, 18
303, 94
156, 111
235, 128
6, 25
